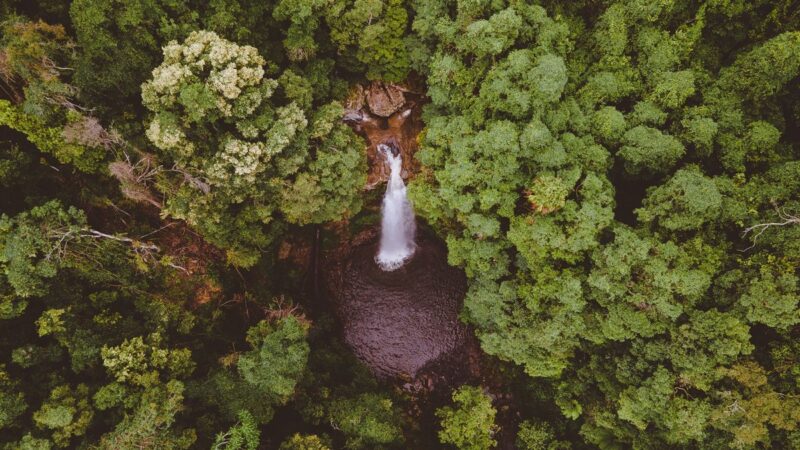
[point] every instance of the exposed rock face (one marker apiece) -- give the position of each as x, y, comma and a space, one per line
385, 99
386, 114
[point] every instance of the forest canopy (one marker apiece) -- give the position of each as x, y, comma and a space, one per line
619, 181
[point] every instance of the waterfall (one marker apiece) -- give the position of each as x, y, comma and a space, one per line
398, 224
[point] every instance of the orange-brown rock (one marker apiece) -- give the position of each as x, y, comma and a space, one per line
399, 127
385, 99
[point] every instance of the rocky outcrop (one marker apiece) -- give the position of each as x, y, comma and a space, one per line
385, 99
386, 114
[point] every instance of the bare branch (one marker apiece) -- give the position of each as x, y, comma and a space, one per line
64, 237
137, 178
193, 180
158, 230
181, 268
89, 132
757, 230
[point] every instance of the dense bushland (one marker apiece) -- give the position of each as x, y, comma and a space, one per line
620, 181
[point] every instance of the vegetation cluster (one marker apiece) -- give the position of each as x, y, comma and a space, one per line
619, 180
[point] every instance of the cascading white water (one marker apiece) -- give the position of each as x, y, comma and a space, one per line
398, 224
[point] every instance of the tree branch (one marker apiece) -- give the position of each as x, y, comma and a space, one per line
758, 229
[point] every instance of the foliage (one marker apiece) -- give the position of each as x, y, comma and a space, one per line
304, 442
237, 178
51, 140
278, 358
12, 402
548, 194
367, 420
119, 42
595, 192
146, 426
30, 252
470, 425
139, 363
265, 376
686, 202
245, 435
337, 389
34, 57
538, 435
67, 412
649, 149
367, 34
618, 180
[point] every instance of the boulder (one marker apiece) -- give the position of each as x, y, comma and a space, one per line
384, 99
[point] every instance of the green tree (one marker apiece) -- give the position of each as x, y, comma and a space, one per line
686, 202
36, 56
367, 420
538, 435
266, 376
150, 422
747, 414
366, 35
470, 425
12, 402
278, 358
232, 183
648, 149
618, 180
119, 44
67, 413
304, 442
140, 363
764, 70
31, 253
245, 435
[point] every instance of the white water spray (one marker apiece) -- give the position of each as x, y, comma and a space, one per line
398, 224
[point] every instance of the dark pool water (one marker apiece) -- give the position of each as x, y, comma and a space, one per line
401, 321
